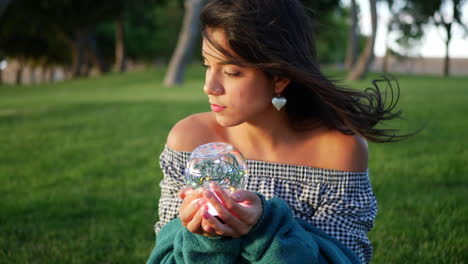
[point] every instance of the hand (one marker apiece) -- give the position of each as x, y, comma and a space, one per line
239, 211
189, 211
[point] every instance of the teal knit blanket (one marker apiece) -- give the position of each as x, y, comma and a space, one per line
278, 237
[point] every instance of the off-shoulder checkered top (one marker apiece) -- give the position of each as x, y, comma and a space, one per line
340, 203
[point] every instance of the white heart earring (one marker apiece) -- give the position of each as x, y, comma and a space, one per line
278, 102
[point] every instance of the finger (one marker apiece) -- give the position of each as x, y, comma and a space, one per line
225, 198
236, 202
207, 229
194, 225
184, 192
192, 195
213, 226
187, 213
207, 226
188, 191
250, 206
227, 217
245, 199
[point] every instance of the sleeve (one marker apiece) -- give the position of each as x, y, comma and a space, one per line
346, 212
173, 167
277, 238
177, 245
281, 238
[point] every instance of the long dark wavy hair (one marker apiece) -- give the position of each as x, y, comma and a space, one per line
276, 36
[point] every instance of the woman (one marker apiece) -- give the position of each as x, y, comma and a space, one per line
304, 137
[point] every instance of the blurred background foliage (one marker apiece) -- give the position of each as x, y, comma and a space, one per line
102, 36
53, 32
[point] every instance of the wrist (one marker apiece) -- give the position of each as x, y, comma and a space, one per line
262, 217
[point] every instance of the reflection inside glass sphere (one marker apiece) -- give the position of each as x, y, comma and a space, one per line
216, 162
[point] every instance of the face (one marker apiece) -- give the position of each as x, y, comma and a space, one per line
236, 94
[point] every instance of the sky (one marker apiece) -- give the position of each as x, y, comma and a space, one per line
432, 44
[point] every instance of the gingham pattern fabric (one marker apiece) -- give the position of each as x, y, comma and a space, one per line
341, 204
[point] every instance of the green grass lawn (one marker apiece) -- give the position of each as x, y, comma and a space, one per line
79, 169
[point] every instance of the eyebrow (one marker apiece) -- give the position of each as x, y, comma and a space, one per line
225, 62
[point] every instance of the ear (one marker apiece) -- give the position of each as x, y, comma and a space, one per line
280, 83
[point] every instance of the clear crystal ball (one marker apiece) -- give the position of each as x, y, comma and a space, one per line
216, 162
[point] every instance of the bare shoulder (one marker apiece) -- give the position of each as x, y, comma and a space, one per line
343, 152
193, 131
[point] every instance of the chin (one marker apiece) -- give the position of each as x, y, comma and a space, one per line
227, 122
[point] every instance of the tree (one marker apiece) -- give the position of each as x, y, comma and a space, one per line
353, 44
391, 24
28, 36
3, 5
444, 14
185, 44
329, 21
119, 45
77, 21
26, 26
401, 25
362, 65
447, 21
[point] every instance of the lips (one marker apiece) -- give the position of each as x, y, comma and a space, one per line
217, 108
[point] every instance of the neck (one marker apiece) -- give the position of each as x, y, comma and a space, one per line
264, 135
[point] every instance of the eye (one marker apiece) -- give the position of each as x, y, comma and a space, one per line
232, 74
203, 64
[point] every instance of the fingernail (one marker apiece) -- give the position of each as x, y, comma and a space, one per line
201, 202
208, 194
214, 185
206, 215
236, 196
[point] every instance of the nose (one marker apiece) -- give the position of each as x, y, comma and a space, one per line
212, 85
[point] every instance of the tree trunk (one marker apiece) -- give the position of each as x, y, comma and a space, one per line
52, 74
386, 59
184, 49
45, 73
448, 28
78, 53
352, 49
19, 72
95, 55
3, 65
32, 74
362, 65
119, 46
87, 64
